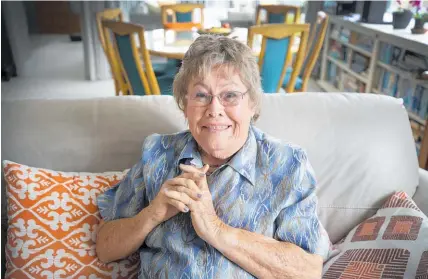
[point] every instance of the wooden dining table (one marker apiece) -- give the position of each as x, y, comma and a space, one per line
174, 44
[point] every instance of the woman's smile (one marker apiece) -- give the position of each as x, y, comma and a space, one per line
216, 128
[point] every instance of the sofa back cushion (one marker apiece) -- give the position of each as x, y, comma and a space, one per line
360, 145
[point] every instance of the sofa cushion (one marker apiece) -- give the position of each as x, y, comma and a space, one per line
360, 145
53, 220
391, 244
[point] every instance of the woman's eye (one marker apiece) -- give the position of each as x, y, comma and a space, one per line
230, 95
200, 95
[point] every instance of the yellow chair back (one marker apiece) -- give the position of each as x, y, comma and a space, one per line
316, 37
278, 14
120, 38
182, 16
109, 14
278, 43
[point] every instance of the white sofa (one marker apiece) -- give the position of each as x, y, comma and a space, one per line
360, 145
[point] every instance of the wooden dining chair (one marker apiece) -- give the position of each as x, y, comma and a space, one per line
316, 39
181, 17
277, 43
278, 14
131, 62
423, 152
115, 15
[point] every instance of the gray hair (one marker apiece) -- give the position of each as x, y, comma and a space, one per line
209, 51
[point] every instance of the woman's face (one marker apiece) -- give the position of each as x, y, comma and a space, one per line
219, 129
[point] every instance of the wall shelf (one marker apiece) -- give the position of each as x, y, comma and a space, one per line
416, 118
369, 58
328, 87
403, 74
345, 67
351, 46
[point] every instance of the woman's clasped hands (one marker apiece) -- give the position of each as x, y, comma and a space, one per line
189, 192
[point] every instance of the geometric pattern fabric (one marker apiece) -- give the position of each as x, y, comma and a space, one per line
52, 224
391, 244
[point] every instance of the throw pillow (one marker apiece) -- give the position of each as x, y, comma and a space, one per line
52, 224
391, 244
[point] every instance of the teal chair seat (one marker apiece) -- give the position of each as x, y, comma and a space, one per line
159, 68
169, 68
165, 84
299, 81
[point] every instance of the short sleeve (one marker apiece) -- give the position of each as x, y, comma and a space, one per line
298, 223
127, 198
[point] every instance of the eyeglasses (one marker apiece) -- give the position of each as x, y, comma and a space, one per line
227, 99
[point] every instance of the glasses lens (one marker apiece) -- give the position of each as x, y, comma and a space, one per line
230, 98
200, 99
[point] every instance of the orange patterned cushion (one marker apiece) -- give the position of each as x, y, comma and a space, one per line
53, 219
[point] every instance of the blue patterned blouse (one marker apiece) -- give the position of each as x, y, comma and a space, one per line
268, 187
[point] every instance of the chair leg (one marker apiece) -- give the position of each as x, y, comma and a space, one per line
117, 89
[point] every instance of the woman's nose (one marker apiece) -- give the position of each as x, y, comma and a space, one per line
215, 108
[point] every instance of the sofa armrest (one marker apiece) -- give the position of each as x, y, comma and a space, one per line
421, 194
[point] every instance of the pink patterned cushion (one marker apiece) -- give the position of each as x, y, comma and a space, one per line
391, 244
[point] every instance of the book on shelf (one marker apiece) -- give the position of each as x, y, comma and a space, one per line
365, 43
349, 83
362, 41
335, 52
377, 77
385, 57
420, 102
423, 110
414, 60
345, 34
407, 93
360, 63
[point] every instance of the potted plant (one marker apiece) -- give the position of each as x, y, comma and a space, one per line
401, 17
418, 17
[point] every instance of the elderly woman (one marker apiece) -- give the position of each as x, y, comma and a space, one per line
223, 199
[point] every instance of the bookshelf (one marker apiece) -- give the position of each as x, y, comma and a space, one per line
374, 58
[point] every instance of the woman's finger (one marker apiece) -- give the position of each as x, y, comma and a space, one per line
172, 193
205, 168
196, 195
195, 176
177, 204
186, 182
193, 169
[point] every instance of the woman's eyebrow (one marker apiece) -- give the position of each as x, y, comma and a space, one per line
224, 85
221, 86
228, 82
200, 84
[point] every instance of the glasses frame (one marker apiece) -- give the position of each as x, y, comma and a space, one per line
211, 97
